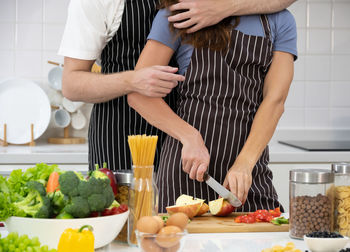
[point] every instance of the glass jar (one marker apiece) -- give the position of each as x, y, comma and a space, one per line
143, 198
310, 201
124, 180
342, 198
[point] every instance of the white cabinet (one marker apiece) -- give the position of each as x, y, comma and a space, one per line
281, 177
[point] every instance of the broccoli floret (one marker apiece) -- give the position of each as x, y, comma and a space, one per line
109, 196
58, 201
35, 204
69, 182
84, 188
96, 202
36, 186
86, 196
78, 207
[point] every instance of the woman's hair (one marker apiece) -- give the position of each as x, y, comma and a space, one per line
216, 37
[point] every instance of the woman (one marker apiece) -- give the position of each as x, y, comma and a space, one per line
237, 77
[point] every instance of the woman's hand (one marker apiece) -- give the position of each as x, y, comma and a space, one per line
200, 14
239, 179
195, 156
155, 81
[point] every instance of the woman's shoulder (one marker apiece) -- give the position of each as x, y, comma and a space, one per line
282, 20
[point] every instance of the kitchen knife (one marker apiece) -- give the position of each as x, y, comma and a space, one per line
222, 191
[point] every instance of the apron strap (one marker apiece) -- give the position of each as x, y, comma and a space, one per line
266, 26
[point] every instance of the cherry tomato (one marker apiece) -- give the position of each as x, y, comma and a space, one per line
106, 212
94, 214
123, 208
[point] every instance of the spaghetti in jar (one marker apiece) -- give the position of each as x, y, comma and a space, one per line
143, 193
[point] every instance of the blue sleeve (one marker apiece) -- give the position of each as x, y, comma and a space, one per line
285, 33
160, 31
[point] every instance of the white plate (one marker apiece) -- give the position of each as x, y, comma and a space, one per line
22, 103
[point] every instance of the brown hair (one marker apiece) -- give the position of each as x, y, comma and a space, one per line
216, 37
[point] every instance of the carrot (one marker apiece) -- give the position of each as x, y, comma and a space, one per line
52, 183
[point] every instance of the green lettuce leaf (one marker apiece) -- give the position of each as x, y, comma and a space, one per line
18, 178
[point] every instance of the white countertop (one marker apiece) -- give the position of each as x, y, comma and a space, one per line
238, 242
279, 153
78, 154
44, 152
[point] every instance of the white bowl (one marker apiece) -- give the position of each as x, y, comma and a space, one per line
325, 244
106, 228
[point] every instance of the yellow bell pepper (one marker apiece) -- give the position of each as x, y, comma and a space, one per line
77, 240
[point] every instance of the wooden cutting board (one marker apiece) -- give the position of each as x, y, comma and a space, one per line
211, 224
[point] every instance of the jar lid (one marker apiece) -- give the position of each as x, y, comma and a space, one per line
124, 177
312, 176
343, 168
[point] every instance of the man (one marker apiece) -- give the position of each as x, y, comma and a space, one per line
115, 32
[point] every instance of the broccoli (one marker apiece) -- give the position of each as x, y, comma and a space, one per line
58, 201
78, 207
69, 182
96, 202
35, 204
99, 187
85, 196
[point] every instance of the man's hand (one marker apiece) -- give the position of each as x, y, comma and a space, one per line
204, 13
238, 180
155, 81
195, 157
200, 14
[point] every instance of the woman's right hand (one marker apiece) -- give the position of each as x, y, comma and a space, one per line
155, 81
195, 156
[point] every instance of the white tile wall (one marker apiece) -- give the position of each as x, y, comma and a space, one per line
319, 97
323, 67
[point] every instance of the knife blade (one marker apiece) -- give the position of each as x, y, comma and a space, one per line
222, 191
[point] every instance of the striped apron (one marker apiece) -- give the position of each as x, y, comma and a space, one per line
111, 122
220, 96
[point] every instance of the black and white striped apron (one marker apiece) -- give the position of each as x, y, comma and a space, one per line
220, 97
111, 122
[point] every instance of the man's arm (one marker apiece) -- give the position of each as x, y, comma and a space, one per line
205, 13
79, 84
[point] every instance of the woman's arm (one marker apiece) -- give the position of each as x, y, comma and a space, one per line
205, 13
276, 87
195, 156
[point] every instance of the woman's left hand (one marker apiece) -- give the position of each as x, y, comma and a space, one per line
238, 180
199, 14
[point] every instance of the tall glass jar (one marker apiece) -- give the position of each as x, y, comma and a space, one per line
143, 198
342, 198
310, 201
124, 180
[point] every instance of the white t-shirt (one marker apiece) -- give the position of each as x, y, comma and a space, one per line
89, 27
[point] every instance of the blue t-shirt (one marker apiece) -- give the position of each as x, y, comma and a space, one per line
282, 25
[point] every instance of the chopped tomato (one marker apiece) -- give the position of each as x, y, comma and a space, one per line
276, 212
259, 216
250, 219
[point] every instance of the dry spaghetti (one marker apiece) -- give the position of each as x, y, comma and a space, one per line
142, 195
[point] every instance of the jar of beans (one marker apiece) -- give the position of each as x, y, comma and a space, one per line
342, 198
124, 180
311, 194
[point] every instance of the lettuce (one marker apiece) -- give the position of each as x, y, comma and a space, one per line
18, 179
7, 209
